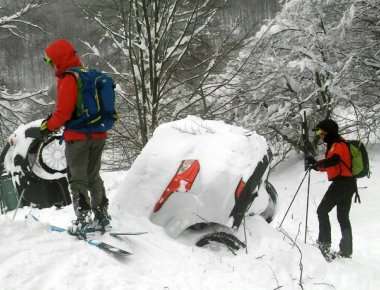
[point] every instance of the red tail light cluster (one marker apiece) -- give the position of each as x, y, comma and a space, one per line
182, 181
239, 189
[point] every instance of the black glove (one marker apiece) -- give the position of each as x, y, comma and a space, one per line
311, 163
44, 129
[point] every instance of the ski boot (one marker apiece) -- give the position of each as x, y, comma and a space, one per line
102, 220
80, 226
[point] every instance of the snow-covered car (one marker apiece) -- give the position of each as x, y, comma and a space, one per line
37, 167
196, 172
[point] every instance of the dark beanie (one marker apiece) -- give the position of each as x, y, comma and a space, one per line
329, 126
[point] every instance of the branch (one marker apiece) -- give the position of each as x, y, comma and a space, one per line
294, 243
8, 22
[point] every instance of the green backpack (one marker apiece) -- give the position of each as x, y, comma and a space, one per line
360, 161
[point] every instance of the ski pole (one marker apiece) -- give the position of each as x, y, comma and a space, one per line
18, 204
245, 236
2, 207
294, 197
307, 204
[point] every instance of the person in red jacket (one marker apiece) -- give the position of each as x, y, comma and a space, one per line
337, 165
83, 151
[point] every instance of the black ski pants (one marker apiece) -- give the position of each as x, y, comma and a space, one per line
339, 194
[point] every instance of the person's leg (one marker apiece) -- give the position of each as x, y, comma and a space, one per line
345, 245
95, 182
343, 211
99, 201
77, 153
326, 205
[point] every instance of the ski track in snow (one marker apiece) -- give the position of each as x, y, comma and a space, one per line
31, 258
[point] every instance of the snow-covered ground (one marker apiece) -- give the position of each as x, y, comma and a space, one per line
31, 258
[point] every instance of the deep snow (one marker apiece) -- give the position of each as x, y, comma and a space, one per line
33, 258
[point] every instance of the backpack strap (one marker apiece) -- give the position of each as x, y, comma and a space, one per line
349, 150
75, 71
357, 196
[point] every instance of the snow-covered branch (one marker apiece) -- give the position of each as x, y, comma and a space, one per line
11, 22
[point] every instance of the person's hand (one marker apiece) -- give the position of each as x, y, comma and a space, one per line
311, 163
44, 129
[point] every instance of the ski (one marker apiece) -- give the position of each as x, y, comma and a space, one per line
112, 234
94, 242
116, 234
107, 247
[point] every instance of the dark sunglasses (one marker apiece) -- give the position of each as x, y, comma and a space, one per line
48, 60
320, 132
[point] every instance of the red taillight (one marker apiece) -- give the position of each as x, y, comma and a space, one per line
182, 181
239, 189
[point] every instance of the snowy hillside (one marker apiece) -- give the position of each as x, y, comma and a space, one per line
32, 258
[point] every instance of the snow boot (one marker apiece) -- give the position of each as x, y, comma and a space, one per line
340, 254
325, 249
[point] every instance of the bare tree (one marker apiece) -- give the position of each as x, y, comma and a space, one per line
15, 106
12, 20
313, 59
166, 55
363, 75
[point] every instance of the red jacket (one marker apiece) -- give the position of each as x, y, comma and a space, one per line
343, 166
63, 56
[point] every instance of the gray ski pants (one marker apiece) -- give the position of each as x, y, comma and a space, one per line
83, 163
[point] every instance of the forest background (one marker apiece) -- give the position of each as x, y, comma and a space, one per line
260, 64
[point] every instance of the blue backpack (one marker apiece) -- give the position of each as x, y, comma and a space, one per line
95, 108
